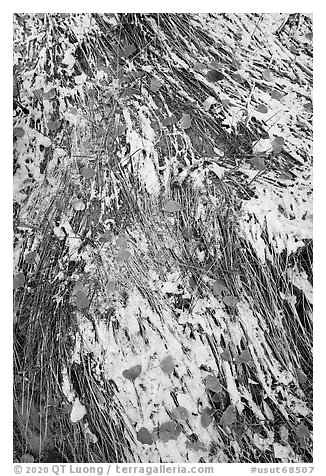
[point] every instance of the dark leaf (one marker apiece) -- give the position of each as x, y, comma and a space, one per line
275, 94
213, 76
144, 436
128, 51
267, 75
258, 163
302, 378
30, 257
132, 373
303, 432
278, 144
156, 85
106, 237
54, 125
244, 357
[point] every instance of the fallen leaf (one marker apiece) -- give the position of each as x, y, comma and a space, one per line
54, 125
206, 417
19, 280
208, 103
27, 458
87, 172
128, 50
267, 75
185, 121
123, 255
229, 416
213, 384
81, 300
244, 357
262, 108
169, 121
302, 378
258, 163
19, 132
308, 106
171, 206
78, 411
219, 286
106, 237
275, 94
132, 373
111, 286
302, 431
187, 232
144, 436
78, 204
180, 413
156, 85
213, 76
226, 356
281, 451
169, 431
30, 257
231, 301
122, 242
167, 365
278, 144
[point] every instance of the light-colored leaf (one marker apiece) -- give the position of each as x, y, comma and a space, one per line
229, 416
208, 103
78, 204
171, 206
87, 172
106, 237
267, 75
123, 255
262, 146
199, 66
180, 413
206, 417
78, 411
132, 373
281, 452
185, 121
167, 365
156, 85
144, 436
231, 301
213, 384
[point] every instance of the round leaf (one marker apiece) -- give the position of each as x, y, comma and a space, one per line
87, 172
81, 299
275, 94
244, 357
258, 163
303, 432
219, 286
231, 301
19, 132
278, 144
123, 255
171, 206
54, 125
78, 205
185, 121
156, 85
169, 431
122, 242
167, 365
27, 458
30, 257
144, 436
132, 373
128, 51
213, 384
180, 413
262, 108
267, 75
